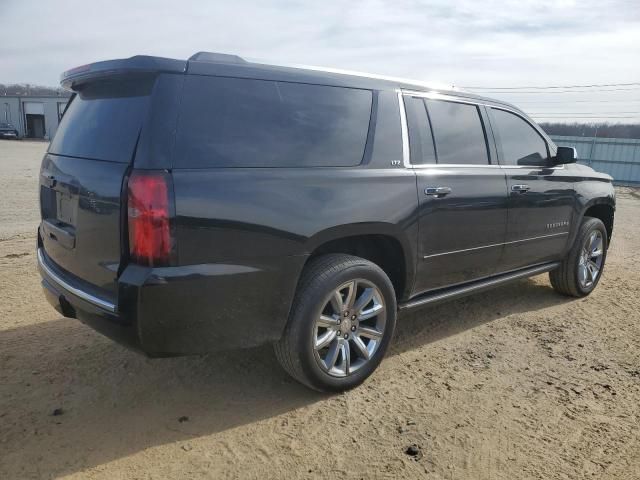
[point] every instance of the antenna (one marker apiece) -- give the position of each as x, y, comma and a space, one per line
216, 57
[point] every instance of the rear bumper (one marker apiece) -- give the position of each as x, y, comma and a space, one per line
72, 300
183, 310
67, 286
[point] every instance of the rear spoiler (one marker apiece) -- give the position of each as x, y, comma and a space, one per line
138, 64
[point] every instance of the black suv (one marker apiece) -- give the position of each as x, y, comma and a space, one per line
215, 203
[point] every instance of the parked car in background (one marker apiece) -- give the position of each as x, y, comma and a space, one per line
7, 130
214, 203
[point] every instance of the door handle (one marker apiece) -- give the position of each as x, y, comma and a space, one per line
437, 192
520, 188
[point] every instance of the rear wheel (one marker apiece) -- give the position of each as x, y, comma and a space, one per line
341, 323
581, 270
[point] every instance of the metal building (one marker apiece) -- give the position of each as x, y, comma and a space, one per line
619, 157
33, 114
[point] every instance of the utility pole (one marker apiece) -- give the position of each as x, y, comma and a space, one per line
593, 145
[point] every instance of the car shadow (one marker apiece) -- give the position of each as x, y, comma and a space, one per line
432, 323
114, 402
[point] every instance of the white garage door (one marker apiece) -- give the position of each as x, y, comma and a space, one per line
34, 108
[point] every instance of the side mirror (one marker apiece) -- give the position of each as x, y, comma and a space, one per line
565, 155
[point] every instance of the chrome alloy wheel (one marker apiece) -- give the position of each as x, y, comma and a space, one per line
349, 328
590, 260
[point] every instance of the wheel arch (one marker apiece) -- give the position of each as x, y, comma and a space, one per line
383, 244
602, 209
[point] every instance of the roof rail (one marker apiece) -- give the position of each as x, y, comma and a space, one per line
216, 57
354, 73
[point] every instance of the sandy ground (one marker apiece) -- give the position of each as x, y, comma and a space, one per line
515, 383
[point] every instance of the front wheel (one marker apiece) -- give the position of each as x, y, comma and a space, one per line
581, 270
342, 320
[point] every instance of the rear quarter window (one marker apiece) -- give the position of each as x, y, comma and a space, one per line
232, 122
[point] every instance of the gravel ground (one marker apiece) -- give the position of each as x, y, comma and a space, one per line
515, 383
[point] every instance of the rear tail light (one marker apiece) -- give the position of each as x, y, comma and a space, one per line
150, 200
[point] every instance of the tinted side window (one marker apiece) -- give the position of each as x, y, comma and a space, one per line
458, 132
387, 142
521, 144
232, 122
420, 139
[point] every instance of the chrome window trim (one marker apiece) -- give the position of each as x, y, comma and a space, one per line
406, 156
533, 167
519, 115
404, 130
440, 96
495, 245
453, 165
99, 302
356, 73
461, 165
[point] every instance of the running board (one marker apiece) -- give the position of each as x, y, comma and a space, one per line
478, 286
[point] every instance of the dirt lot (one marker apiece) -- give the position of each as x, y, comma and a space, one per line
515, 383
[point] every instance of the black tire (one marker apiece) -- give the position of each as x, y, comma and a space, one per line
565, 279
322, 276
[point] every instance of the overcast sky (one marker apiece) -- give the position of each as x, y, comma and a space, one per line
465, 43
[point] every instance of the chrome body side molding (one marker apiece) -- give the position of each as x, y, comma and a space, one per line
63, 284
540, 237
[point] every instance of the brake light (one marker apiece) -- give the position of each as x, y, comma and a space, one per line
149, 218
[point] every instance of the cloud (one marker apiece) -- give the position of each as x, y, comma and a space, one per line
464, 43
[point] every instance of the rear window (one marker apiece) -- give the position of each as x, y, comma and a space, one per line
232, 122
458, 132
103, 121
420, 138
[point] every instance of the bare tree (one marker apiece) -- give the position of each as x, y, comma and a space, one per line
605, 129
